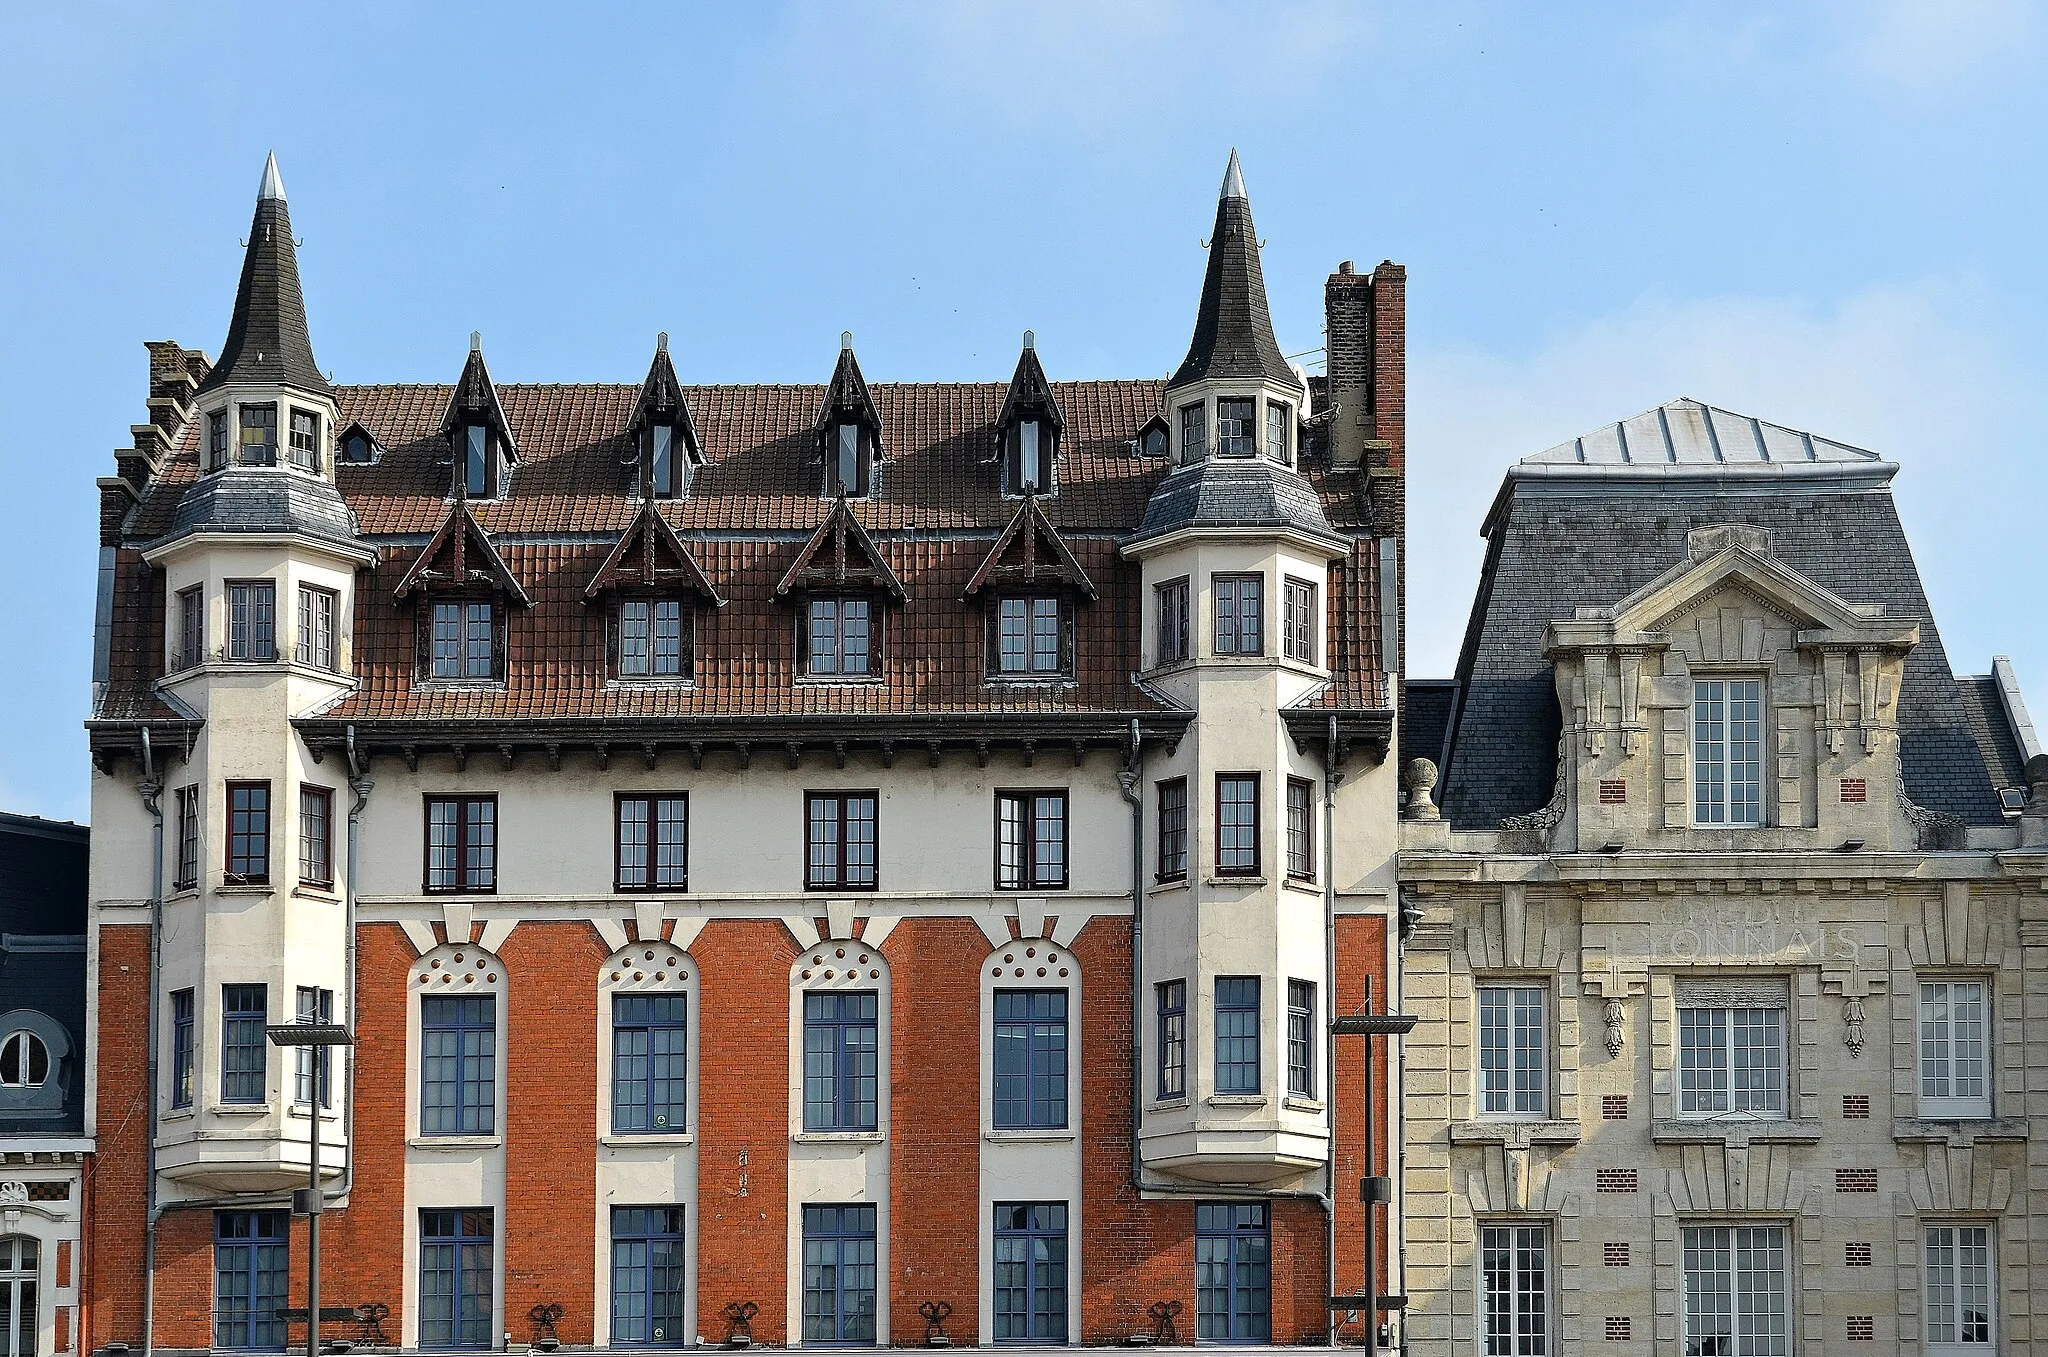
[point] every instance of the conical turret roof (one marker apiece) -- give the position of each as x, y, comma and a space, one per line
1234, 330
267, 340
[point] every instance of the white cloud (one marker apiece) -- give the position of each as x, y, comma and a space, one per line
1938, 46
1914, 372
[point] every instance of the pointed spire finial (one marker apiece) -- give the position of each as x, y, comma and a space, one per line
1233, 179
272, 188
476, 341
846, 341
661, 342
1030, 340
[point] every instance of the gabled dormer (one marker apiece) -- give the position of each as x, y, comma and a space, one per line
848, 428
1234, 396
840, 583
653, 585
1029, 428
1029, 584
266, 403
666, 452
355, 445
481, 448
465, 592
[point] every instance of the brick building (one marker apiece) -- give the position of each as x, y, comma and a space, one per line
1731, 936
798, 859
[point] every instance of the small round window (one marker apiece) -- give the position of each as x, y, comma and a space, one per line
24, 1061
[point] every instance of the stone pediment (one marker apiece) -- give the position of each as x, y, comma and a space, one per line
1731, 566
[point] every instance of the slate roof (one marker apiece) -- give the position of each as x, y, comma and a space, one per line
1426, 708
1992, 728
936, 513
42, 947
1557, 543
1219, 493
1234, 329
267, 339
262, 500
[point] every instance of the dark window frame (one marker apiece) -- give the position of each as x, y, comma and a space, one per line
864, 460
268, 454
686, 637
318, 642
650, 866
357, 438
248, 849
1237, 430
673, 459
1172, 814
1236, 583
316, 836
1172, 630
463, 449
1238, 1084
1013, 458
850, 1098
1043, 1262
1194, 431
806, 629
643, 1015
1047, 1053
217, 440
191, 614
252, 627
186, 872
1278, 413
661, 1235
1030, 875
1224, 803
454, 1235
1299, 616
1301, 829
252, 1251
842, 1229
1063, 637
184, 1046
1243, 1230
485, 879
841, 877
424, 664
1170, 999
1301, 1038
244, 1047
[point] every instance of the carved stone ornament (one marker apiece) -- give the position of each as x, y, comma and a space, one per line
1612, 1017
1852, 1019
13, 1194
1420, 779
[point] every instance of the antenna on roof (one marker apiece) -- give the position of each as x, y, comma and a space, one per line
476, 341
661, 342
845, 341
1030, 340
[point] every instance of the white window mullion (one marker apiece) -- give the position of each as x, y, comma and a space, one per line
1514, 1056
1960, 1286
1515, 1290
1954, 1049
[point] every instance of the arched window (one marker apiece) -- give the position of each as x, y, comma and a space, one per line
24, 1061
647, 989
460, 1024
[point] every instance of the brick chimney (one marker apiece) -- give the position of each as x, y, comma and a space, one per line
1366, 333
174, 376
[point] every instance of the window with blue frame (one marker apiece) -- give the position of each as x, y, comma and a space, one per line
1237, 1034
1173, 1038
647, 1275
1031, 1272
457, 1269
839, 1274
1031, 1058
650, 1063
1233, 1273
250, 1268
181, 1048
243, 1010
842, 1053
459, 1066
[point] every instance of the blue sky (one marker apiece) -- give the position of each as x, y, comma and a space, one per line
1825, 214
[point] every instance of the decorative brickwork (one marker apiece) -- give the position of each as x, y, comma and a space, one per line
1855, 791
1614, 1107
1856, 1255
1614, 1255
1855, 1106
1855, 1180
1614, 1180
1862, 1328
1614, 791
1617, 1329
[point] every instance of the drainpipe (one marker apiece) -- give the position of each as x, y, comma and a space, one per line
1127, 782
1332, 776
151, 788
360, 784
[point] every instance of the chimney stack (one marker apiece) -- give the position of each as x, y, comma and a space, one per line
1366, 334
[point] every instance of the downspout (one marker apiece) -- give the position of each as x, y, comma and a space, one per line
1127, 782
361, 786
151, 788
1332, 777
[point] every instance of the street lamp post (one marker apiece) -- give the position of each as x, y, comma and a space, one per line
1373, 1190
318, 1035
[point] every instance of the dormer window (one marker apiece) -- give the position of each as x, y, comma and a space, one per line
1278, 416
464, 640
840, 639
1194, 432
305, 445
1032, 637
846, 464
1029, 458
1727, 752
654, 638
357, 447
259, 435
658, 446
1236, 430
476, 462
216, 440
664, 439
1153, 438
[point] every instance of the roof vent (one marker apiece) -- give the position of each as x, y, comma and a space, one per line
1030, 340
476, 341
846, 341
